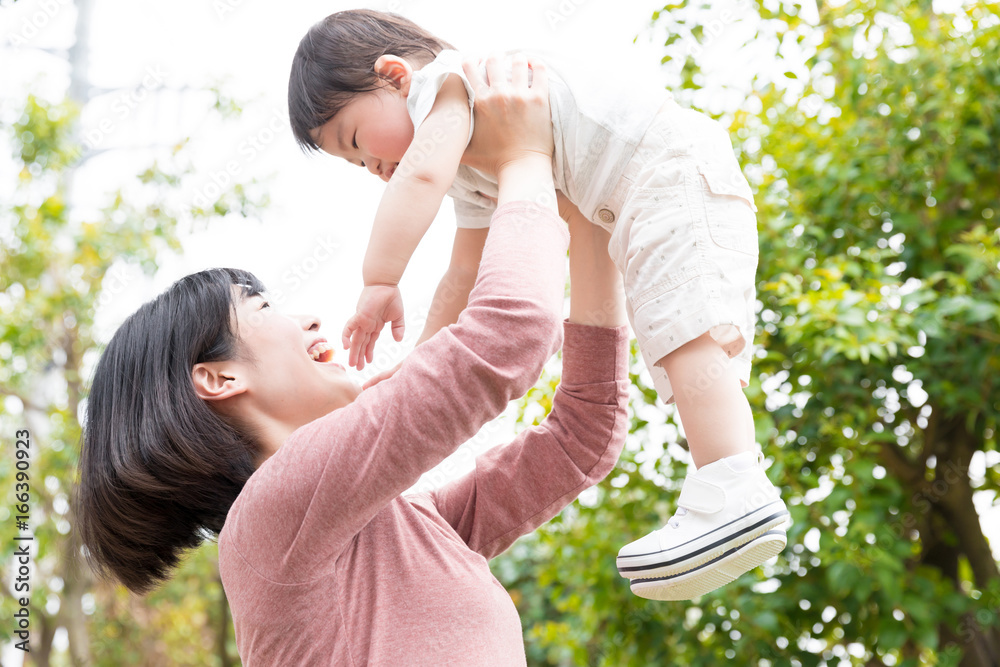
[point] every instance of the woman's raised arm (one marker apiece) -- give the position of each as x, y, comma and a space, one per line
517, 487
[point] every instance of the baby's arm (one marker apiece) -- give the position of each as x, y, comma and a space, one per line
452, 295
411, 200
414, 193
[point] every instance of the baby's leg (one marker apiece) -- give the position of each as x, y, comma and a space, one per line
686, 241
713, 409
594, 280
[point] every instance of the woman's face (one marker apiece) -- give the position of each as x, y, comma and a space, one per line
283, 376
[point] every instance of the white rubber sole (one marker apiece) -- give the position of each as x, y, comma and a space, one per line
714, 574
706, 548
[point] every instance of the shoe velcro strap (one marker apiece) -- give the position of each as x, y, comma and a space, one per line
701, 496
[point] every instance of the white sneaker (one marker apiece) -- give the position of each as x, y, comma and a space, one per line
723, 506
715, 573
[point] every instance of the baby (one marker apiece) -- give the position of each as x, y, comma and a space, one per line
381, 92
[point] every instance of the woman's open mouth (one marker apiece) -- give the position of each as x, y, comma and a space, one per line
321, 352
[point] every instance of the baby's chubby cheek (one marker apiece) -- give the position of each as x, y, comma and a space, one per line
394, 150
393, 140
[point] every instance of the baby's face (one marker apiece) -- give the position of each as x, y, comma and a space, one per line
373, 131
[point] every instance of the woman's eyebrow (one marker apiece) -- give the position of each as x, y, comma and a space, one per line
247, 291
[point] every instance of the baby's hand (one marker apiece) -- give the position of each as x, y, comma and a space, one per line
378, 304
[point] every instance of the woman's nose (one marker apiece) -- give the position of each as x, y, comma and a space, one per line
308, 322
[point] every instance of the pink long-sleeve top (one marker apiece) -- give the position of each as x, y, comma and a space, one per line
324, 562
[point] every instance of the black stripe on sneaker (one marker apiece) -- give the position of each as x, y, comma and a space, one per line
714, 545
725, 525
714, 560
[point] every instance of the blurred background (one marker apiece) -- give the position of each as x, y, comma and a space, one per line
143, 141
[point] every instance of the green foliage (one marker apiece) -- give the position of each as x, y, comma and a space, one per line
177, 624
876, 391
56, 268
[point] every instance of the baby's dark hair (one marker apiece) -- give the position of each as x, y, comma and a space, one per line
335, 62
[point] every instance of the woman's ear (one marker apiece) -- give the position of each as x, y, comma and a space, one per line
214, 381
396, 71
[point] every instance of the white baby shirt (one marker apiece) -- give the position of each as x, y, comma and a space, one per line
598, 118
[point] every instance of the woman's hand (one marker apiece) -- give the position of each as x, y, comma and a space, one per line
512, 119
513, 130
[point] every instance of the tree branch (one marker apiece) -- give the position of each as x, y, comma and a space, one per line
977, 333
953, 470
901, 466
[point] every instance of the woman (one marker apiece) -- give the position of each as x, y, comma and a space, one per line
209, 414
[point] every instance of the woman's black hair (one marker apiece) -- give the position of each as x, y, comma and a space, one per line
158, 468
335, 62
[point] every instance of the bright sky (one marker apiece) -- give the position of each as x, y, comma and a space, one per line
309, 245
